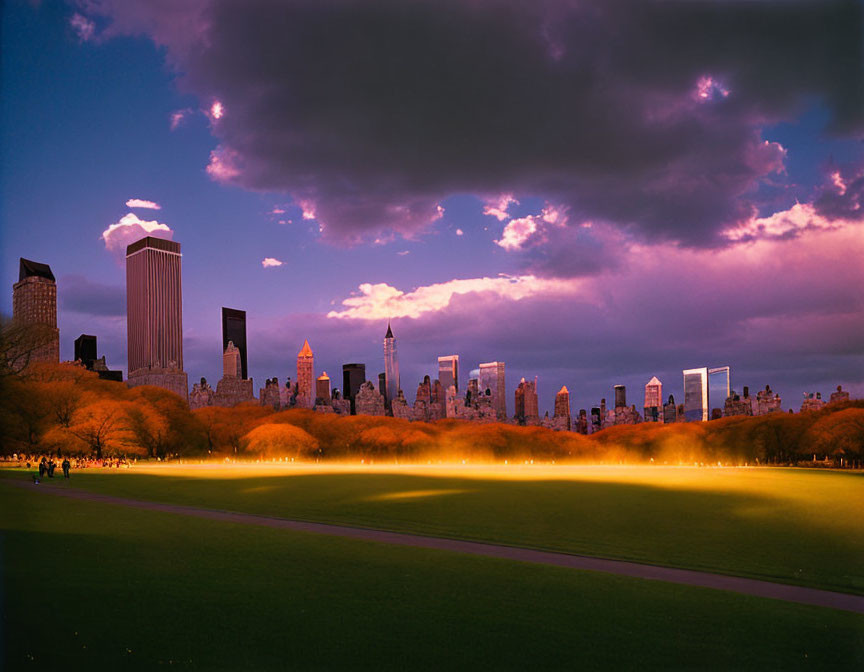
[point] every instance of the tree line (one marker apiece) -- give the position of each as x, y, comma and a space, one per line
67, 410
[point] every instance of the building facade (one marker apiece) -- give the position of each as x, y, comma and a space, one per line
154, 315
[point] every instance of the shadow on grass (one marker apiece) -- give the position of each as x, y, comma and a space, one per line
93, 587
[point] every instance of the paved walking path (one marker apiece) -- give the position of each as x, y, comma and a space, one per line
776, 591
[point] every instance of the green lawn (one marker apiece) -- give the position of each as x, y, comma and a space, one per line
92, 586
793, 526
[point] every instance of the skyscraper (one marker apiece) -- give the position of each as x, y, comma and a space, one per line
154, 315
492, 379
620, 396
696, 395
34, 308
391, 366
653, 400
305, 377
231, 363
322, 387
719, 387
85, 350
448, 371
353, 376
562, 406
525, 399
234, 330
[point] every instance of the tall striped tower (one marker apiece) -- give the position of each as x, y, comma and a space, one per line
154, 315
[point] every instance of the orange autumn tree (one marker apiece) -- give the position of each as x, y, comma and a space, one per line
102, 427
279, 440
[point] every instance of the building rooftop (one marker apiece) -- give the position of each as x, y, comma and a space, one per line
30, 269
389, 333
153, 243
305, 351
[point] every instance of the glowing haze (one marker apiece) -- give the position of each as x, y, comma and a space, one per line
594, 192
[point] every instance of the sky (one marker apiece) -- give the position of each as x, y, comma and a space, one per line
594, 193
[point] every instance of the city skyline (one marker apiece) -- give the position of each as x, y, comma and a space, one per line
154, 281
761, 271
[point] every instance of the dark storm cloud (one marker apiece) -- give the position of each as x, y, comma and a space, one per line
77, 294
642, 114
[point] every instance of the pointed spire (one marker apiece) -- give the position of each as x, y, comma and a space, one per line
305, 351
563, 390
389, 333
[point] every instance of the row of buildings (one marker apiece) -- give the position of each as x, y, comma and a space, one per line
155, 357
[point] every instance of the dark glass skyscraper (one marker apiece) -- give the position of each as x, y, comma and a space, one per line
85, 350
620, 396
353, 376
234, 330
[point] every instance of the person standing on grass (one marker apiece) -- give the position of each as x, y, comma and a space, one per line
66, 466
51, 467
43, 467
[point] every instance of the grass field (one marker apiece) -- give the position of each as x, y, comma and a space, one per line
93, 586
788, 525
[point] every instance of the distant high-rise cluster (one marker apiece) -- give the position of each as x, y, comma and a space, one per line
155, 357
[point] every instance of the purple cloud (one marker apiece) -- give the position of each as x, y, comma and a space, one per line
645, 116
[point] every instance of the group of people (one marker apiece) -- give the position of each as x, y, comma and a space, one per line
47, 465
76, 461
